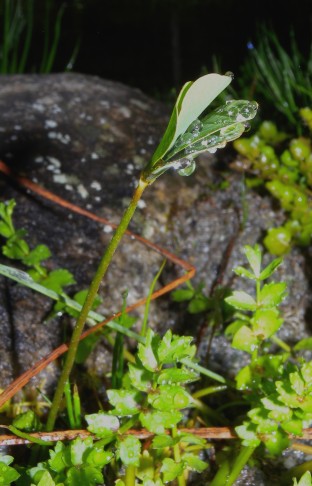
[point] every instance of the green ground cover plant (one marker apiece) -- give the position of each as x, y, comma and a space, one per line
17, 18
156, 389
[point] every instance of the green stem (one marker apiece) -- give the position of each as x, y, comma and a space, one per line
177, 457
228, 473
281, 343
239, 463
130, 475
93, 289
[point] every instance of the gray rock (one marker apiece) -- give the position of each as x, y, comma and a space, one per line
87, 139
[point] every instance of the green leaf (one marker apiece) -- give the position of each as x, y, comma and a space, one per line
140, 378
98, 457
234, 327
194, 463
306, 373
305, 480
243, 272
193, 99
7, 473
5, 230
6, 459
173, 348
182, 295
177, 376
241, 300
129, 450
277, 442
161, 441
272, 294
171, 469
170, 397
158, 421
86, 346
37, 255
254, 257
57, 279
126, 402
199, 304
59, 460
265, 323
102, 424
270, 269
27, 421
47, 480
247, 432
16, 249
77, 448
244, 378
88, 476
245, 340
148, 352
277, 411
304, 344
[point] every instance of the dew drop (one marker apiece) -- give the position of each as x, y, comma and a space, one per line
195, 127
187, 171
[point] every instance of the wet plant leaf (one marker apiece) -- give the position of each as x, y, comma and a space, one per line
171, 469
129, 450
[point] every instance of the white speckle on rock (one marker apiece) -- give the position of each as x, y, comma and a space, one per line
141, 204
59, 136
69, 187
66, 179
94, 156
50, 124
89, 206
82, 191
103, 120
56, 109
143, 151
124, 111
105, 103
96, 185
38, 106
17, 127
13, 137
39, 159
89, 117
60, 178
82, 116
54, 161
139, 103
2, 129
107, 228
150, 141
97, 198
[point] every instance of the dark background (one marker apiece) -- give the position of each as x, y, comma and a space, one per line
156, 45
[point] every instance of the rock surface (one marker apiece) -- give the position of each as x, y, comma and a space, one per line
86, 139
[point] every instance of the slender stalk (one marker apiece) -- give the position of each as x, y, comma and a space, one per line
228, 473
130, 475
177, 457
239, 463
93, 289
69, 405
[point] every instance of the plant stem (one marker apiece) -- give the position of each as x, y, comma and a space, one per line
130, 475
228, 473
239, 463
93, 289
177, 457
